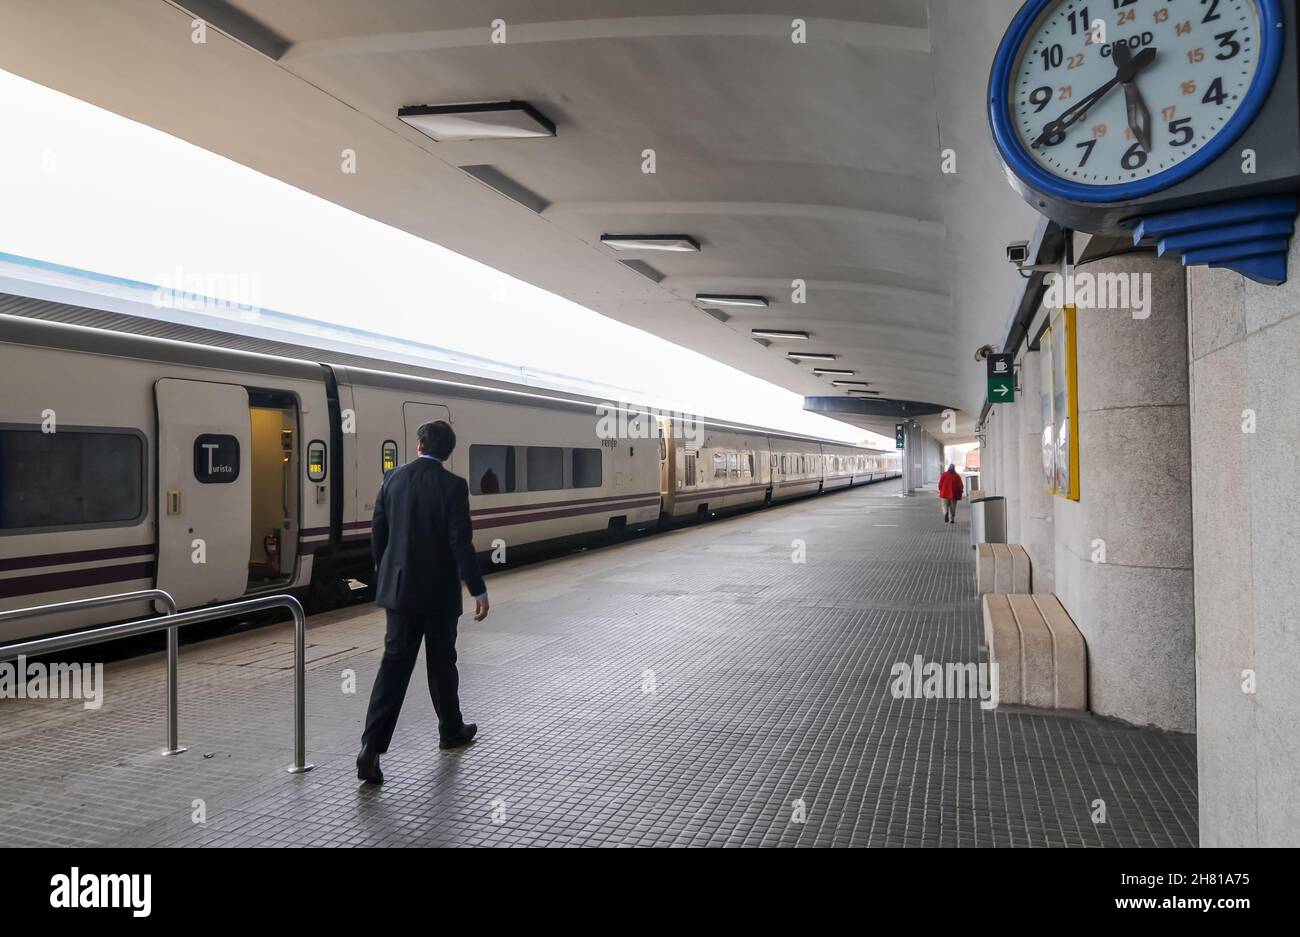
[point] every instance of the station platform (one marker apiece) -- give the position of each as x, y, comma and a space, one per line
691, 688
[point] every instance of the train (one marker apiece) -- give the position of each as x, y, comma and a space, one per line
134, 461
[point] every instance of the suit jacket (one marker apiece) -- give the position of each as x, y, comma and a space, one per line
422, 540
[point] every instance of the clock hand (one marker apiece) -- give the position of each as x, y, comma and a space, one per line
1072, 114
1139, 115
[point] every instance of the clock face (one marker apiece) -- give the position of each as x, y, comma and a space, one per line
1108, 92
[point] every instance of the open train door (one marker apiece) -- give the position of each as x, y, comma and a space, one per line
416, 415
204, 491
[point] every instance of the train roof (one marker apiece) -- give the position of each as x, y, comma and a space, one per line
47, 323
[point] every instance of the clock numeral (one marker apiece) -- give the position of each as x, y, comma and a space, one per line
1229, 45
1215, 93
1079, 22
1161, 15
1182, 131
1134, 158
1053, 56
1196, 55
1040, 98
1087, 147
1212, 14
1076, 61
1126, 17
1183, 28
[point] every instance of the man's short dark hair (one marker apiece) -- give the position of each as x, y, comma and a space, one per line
436, 439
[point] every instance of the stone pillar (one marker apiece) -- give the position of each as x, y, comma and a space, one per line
1036, 508
1123, 562
1245, 377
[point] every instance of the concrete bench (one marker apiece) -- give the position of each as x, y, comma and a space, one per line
1002, 567
1041, 657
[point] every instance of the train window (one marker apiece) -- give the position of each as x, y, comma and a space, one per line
216, 458
749, 465
587, 468
719, 465
316, 461
545, 468
785, 464
491, 470
72, 478
690, 470
663, 449
388, 456
733, 465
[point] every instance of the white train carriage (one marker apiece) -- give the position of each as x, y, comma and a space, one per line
537, 468
841, 465
727, 469
796, 467
129, 463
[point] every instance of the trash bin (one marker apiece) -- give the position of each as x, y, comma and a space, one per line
988, 520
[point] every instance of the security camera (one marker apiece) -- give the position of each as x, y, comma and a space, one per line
984, 351
1018, 252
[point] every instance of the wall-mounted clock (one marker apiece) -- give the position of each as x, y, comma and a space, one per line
1175, 120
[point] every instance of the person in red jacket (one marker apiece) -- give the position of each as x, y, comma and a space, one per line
950, 491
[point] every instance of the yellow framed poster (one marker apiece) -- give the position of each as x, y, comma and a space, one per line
1061, 437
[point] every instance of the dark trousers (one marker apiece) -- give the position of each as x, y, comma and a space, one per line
401, 647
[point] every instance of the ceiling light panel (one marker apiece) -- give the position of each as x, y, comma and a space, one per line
491, 120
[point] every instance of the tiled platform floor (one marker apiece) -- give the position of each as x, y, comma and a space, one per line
770, 686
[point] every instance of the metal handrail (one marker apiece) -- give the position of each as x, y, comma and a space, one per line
124, 598
172, 622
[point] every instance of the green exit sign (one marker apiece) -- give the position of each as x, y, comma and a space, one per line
1002, 379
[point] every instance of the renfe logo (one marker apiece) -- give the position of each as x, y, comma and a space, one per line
103, 891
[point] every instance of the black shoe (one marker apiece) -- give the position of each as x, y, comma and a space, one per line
368, 767
463, 737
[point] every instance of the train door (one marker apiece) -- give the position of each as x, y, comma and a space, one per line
273, 465
667, 466
415, 415
204, 491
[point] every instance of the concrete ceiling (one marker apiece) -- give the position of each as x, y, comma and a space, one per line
817, 161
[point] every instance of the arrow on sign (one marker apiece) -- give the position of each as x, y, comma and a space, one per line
1002, 390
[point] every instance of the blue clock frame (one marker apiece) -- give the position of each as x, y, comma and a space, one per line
1018, 161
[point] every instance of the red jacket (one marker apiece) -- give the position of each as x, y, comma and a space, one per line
950, 486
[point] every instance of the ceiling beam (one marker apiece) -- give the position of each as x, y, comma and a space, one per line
877, 37
827, 213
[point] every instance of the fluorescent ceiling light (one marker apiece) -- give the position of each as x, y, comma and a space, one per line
855, 391
851, 383
829, 371
492, 120
722, 299
810, 356
780, 334
678, 243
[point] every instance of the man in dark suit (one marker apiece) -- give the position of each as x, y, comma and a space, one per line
423, 546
